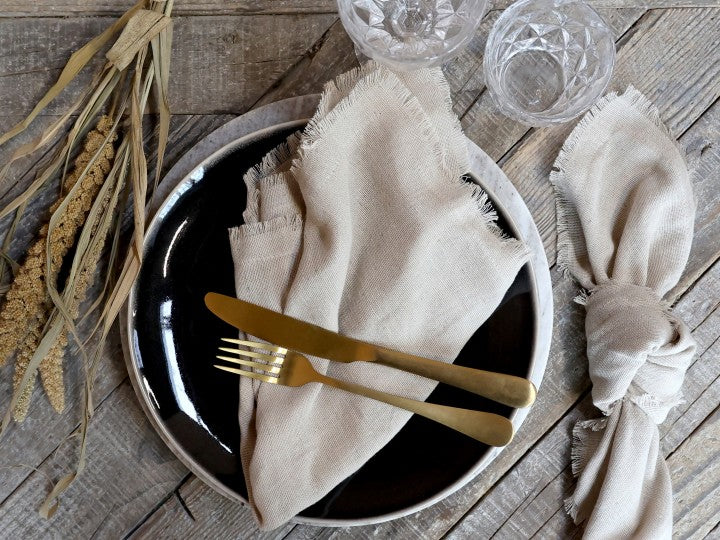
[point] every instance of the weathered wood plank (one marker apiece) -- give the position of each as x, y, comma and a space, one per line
33, 54
569, 294
682, 85
524, 501
22, 445
128, 470
94, 8
196, 511
702, 146
486, 125
21, 166
695, 470
219, 64
330, 56
566, 377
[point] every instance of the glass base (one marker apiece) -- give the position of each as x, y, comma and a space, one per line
533, 80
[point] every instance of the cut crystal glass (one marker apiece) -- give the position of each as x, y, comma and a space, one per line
547, 61
407, 34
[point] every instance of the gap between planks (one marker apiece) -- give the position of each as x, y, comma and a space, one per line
709, 167
95, 8
686, 130
25, 178
713, 257
695, 385
184, 122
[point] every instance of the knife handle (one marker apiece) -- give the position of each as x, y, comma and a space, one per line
506, 389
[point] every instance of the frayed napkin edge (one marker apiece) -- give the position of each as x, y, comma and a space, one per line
559, 178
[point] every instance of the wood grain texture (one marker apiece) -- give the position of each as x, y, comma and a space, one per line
509, 512
696, 478
196, 511
566, 378
219, 64
129, 469
330, 56
682, 85
22, 446
85, 8
702, 148
32, 54
649, 52
94, 8
482, 121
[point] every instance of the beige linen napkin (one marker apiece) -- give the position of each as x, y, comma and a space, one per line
362, 225
625, 225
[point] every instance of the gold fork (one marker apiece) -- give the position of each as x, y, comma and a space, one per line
290, 368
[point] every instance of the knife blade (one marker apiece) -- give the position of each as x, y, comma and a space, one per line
308, 338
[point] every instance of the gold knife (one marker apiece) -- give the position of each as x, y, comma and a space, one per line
308, 338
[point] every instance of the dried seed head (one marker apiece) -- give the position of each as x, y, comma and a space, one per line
27, 303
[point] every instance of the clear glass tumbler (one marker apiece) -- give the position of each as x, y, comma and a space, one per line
409, 34
547, 61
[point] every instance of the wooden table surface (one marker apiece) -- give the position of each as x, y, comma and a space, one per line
231, 56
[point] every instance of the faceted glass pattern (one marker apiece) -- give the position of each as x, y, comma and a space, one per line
547, 61
407, 34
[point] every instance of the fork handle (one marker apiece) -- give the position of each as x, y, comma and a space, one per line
506, 389
488, 428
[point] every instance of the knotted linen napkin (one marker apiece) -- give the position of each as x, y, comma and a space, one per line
363, 225
625, 223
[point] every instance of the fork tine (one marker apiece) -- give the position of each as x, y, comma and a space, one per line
248, 363
253, 354
252, 375
257, 345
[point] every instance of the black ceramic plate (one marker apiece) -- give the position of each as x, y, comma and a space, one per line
174, 339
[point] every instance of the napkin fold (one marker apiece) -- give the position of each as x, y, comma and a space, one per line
625, 212
361, 224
